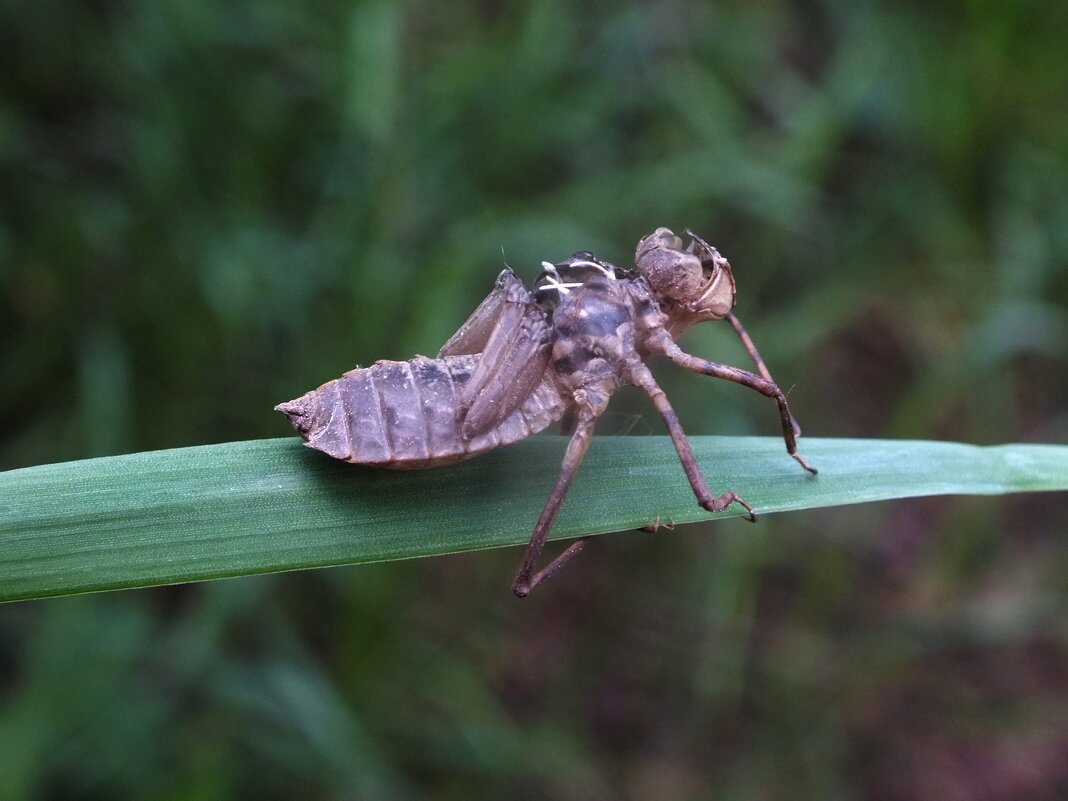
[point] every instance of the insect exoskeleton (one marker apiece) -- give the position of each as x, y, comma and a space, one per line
525, 358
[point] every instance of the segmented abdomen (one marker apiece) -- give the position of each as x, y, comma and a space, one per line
404, 414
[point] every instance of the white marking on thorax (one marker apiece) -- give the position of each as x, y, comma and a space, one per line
554, 281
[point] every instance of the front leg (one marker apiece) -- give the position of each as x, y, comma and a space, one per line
661, 342
754, 354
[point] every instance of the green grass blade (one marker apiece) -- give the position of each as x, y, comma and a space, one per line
207, 512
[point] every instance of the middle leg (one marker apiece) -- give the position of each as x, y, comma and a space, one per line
642, 377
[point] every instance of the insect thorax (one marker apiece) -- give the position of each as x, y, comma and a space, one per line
557, 281
593, 339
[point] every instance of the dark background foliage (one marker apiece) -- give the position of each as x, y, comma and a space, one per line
206, 208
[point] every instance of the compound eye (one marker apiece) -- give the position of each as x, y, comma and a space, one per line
660, 238
670, 270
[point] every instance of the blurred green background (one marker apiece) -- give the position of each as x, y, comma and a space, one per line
207, 208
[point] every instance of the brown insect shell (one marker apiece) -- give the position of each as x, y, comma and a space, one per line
702, 284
